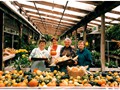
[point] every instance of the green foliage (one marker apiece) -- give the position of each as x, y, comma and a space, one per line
47, 37
111, 64
113, 32
96, 59
21, 61
115, 52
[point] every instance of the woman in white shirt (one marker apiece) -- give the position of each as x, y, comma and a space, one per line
39, 52
54, 50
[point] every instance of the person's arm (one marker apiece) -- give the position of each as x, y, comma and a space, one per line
32, 54
89, 56
61, 51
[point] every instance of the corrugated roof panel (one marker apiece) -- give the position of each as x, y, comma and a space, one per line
115, 22
96, 22
106, 20
117, 8
33, 10
112, 15
74, 13
49, 8
81, 5
26, 2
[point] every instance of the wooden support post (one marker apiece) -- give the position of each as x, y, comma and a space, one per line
84, 33
29, 37
103, 42
12, 41
20, 35
76, 38
1, 38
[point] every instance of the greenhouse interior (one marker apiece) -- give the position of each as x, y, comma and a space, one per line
60, 44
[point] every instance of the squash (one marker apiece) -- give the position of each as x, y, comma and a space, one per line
35, 70
33, 83
53, 53
87, 85
21, 84
2, 85
1, 72
52, 83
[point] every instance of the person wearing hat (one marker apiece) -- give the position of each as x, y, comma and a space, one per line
39, 52
54, 51
68, 51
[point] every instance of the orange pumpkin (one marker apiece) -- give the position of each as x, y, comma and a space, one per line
33, 83
21, 84
102, 81
63, 84
103, 85
1, 72
70, 84
53, 52
53, 83
35, 70
87, 85
2, 85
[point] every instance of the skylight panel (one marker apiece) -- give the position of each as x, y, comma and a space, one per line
96, 22
106, 20
117, 8
74, 13
32, 10
81, 5
115, 22
26, 2
112, 15
49, 8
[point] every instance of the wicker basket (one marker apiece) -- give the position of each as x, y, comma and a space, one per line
77, 71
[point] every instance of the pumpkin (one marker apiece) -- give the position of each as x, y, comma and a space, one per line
53, 53
35, 70
87, 85
33, 83
2, 85
53, 83
21, 84
70, 84
1, 72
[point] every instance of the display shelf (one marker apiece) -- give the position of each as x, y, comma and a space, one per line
5, 58
63, 88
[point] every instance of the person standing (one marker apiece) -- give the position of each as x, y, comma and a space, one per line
39, 52
68, 51
84, 55
54, 51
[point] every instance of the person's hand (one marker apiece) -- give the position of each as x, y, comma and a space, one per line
43, 56
75, 63
29, 59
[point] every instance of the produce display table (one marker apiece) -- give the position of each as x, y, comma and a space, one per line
61, 88
5, 58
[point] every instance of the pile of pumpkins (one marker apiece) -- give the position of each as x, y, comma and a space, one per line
56, 78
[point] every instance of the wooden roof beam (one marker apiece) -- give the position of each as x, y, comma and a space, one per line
62, 16
49, 11
52, 23
99, 10
62, 7
65, 24
96, 3
53, 17
40, 16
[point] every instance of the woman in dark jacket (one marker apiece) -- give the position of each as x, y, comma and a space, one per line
84, 55
68, 51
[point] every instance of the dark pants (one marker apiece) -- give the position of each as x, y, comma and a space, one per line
53, 68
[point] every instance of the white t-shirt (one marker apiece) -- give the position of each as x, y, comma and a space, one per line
37, 53
59, 47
